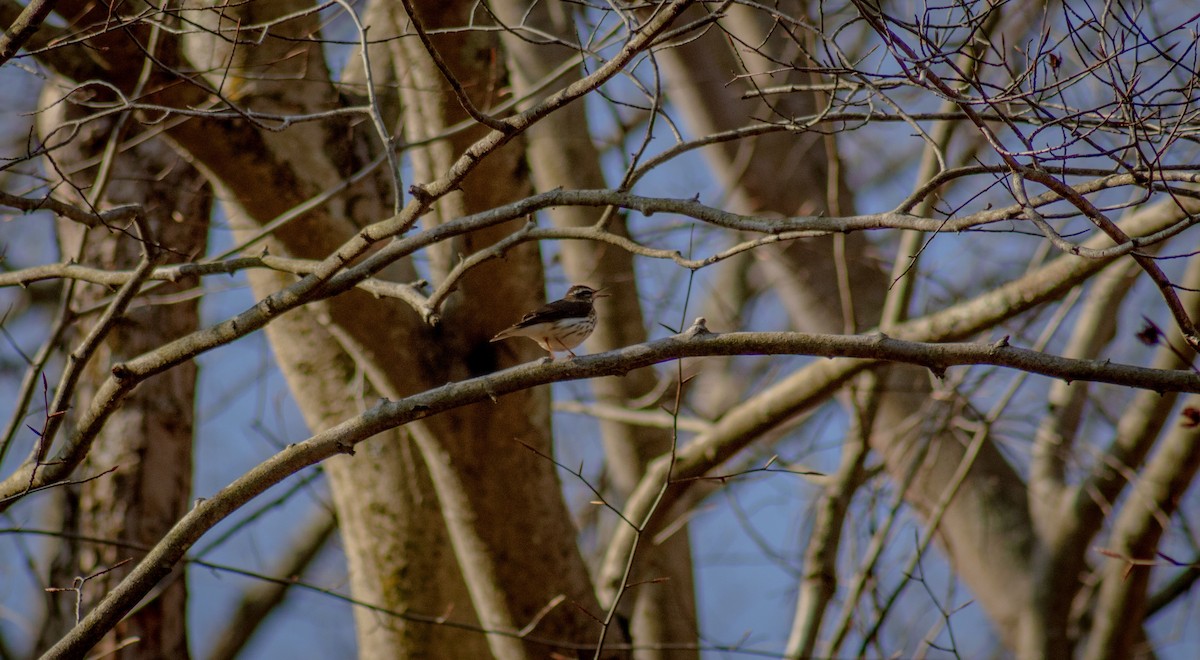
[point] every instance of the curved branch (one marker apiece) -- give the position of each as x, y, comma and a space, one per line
821, 378
1087, 504
803, 388
1136, 535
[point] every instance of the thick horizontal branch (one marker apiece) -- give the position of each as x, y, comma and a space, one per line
696, 342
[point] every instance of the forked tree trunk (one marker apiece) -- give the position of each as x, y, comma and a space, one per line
508, 522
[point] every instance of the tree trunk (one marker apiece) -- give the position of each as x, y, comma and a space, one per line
149, 440
356, 349
662, 609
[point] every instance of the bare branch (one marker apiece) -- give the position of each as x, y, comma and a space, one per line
389, 414
24, 27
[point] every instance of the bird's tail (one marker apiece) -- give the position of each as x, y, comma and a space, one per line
510, 332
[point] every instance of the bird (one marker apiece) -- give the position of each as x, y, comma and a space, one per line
560, 325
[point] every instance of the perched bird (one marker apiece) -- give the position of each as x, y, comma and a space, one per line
560, 325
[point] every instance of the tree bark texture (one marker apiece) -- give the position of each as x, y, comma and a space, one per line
149, 441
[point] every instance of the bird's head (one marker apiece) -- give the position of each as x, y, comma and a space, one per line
584, 293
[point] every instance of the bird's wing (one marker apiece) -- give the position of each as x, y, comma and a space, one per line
555, 311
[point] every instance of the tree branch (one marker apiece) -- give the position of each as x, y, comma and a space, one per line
1121, 605
24, 27
825, 377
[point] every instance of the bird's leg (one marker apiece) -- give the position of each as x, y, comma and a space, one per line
546, 344
569, 351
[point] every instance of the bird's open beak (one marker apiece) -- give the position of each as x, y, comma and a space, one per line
599, 293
